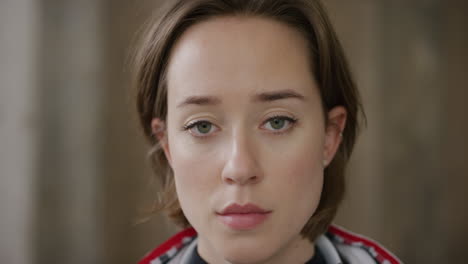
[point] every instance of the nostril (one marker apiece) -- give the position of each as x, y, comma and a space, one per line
242, 180
230, 180
253, 178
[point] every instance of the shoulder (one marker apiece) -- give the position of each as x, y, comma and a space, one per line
169, 249
355, 248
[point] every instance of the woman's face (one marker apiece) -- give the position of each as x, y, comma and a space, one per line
245, 127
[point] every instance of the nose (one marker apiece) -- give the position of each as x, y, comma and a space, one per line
241, 166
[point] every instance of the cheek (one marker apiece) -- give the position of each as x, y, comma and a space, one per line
298, 174
304, 174
193, 174
192, 165
298, 159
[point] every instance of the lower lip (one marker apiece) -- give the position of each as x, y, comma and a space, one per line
243, 221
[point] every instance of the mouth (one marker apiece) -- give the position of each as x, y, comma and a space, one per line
243, 217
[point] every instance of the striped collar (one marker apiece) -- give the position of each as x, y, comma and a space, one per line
337, 245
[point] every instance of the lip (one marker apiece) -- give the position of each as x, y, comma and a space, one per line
243, 217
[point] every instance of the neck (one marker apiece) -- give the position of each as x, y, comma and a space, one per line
298, 250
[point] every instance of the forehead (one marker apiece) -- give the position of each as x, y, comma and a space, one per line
239, 54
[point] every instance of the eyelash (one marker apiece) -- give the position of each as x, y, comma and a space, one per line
293, 121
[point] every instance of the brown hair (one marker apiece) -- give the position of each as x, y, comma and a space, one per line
329, 66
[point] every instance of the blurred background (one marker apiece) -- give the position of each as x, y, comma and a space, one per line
73, 168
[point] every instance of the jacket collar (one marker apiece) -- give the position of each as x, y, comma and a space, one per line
327, 248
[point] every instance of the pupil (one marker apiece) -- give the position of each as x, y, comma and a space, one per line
204, 127
278, 123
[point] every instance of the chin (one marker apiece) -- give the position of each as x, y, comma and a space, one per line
246, 253
246, 259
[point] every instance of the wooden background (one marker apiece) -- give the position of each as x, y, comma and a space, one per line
73, 161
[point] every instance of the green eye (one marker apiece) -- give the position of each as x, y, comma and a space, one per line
204, 127
277, 123
199, 128
280, 124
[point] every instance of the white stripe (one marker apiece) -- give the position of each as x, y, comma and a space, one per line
369, 239
155, 261
328, 250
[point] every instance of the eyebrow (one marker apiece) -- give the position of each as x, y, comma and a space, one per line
260, 97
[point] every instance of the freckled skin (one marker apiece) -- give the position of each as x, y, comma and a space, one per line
241, 160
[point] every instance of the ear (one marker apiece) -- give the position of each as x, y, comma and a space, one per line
333, 133
158, 127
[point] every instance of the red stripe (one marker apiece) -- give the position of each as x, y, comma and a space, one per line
176, 240
364, 240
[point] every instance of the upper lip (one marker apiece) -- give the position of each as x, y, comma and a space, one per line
243, 209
